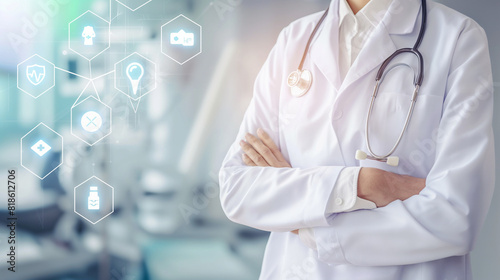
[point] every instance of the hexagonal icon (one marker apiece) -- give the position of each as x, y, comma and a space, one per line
133, 5
91, 120
181, 39
135, 76
89, 35
35, 76
94, 200
41, 151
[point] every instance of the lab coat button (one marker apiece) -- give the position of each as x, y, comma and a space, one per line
337, 115
339, 201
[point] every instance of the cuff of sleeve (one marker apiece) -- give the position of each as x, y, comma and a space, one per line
315, 213
362, 204
344, 196
306, 235
345, 191
328, 246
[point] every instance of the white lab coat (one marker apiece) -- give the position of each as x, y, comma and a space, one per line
449, 142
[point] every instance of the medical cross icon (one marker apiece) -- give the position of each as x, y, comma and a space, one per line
41, 148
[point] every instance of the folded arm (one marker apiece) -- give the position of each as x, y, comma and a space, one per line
265, 197
378, 186
445, 218
266, 193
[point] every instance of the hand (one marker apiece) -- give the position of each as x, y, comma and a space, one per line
384, 187
262, 151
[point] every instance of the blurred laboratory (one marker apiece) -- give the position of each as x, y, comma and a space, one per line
161, 153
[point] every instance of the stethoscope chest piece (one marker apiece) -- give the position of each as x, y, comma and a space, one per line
300, 82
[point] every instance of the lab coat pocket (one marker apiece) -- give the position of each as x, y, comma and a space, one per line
417, 151
388, 120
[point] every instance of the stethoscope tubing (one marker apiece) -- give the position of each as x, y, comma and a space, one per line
309, 41
418, 83
302, 88
407, 122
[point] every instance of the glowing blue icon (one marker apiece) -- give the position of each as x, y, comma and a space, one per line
35, 73
41, 148
182, 38
93, 201
91, 121
135, 71
88, 35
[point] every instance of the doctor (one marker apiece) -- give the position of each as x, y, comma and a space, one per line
292, 170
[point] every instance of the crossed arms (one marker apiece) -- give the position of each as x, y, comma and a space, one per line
260, 189
376, 185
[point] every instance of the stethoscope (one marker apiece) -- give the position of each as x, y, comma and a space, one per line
300, 82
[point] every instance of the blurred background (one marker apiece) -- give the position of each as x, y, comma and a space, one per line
163, 154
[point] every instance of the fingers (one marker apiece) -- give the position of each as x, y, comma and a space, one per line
266, 139
248, 161
262, 149
252, 154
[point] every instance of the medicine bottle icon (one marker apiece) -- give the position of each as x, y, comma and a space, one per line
93, 202
88, 35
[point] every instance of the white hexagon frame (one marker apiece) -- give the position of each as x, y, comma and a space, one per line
110, 121
53, 82
62, 153
201, 39
155, 76
69, 35
133, 10
112, 199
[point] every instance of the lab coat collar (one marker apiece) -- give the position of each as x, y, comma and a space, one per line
324, 52
402, 13
344, 11
373, 11
399, 20
402, 16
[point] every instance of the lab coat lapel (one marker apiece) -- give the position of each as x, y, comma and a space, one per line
400, 19
324, 52
377, 48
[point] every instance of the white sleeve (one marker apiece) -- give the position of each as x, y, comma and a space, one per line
447, 215
267, 198
344, 198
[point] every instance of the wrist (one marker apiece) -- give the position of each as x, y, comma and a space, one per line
383, 187
377, 186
